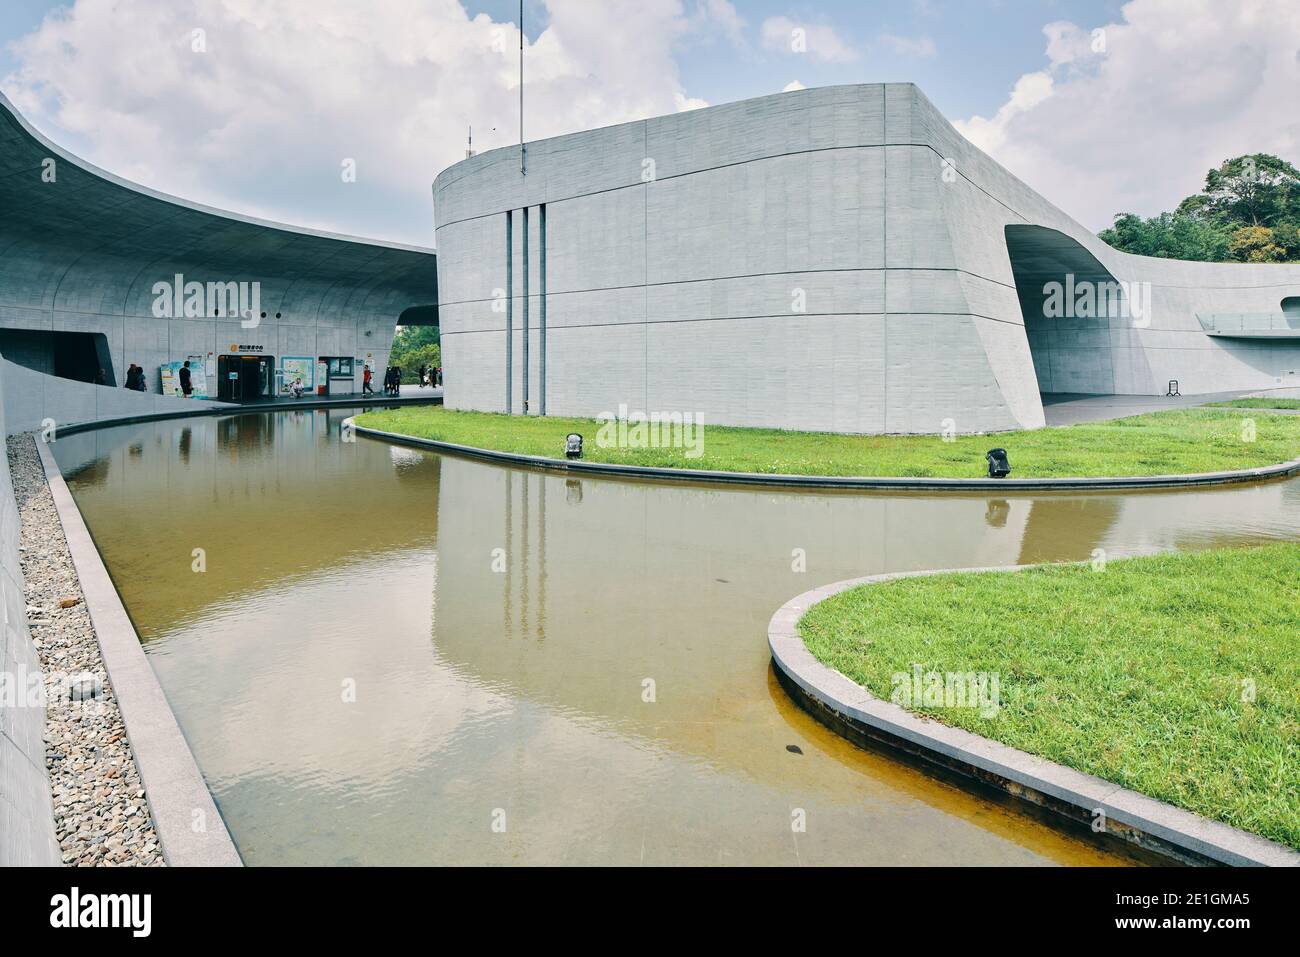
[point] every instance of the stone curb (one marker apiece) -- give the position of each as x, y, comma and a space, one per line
173, 784
287, 405
845, 706
850, 482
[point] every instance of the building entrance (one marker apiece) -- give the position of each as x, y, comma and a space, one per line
240, 378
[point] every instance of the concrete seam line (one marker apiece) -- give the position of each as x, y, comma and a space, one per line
1169, 825
1261, 473
174, 787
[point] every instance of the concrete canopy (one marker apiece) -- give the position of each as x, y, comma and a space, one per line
81, 251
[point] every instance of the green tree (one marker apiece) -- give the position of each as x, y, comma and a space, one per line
1255, 190
1254, 244
1169, 236
414, 346
1221, 223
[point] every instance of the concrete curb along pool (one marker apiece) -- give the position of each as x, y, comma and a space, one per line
848, 708
1280, 470
178, 797
203, 409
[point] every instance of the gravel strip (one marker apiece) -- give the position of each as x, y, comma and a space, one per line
100, 812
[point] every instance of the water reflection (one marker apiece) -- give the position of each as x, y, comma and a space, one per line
388, 647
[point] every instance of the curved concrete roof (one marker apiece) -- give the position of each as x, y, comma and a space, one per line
91, 242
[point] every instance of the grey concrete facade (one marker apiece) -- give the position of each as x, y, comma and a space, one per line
82, 251
27, 836
837, 259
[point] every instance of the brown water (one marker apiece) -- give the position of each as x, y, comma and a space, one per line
365, 680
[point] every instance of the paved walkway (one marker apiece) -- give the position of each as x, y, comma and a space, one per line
1063, 408
412, 394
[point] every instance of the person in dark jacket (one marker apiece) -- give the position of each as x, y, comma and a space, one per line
186, 385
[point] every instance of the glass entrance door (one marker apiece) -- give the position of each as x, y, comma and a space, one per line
258, 373
240, 378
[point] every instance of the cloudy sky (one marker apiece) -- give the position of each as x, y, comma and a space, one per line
255, 105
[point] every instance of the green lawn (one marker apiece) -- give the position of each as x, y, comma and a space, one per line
1176, 441
1256, 404
1134, 673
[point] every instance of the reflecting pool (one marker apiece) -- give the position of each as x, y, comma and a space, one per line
386, 656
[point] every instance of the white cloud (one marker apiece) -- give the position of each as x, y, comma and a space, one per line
910, 46
792, 86
1180, 86
819, 41
288, 89
722, 14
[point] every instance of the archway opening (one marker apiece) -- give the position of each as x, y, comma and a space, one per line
1071, 305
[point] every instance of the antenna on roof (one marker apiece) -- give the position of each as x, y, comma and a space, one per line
469, 147
523, 171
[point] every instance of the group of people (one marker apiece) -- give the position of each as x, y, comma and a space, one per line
429, 376
135, 379
392, 381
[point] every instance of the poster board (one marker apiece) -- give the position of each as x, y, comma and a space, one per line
171, 377
301, 368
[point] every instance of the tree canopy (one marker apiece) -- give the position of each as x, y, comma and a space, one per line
414, 346
1248, 211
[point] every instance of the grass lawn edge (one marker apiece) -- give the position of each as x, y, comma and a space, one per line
1161, 452
1256, 774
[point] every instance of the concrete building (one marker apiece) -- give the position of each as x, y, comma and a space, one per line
97, 273
837, 258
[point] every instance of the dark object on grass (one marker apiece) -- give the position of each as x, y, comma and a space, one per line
999, 466
573, 446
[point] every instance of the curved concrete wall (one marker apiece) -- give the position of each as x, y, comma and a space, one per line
823, 259
33, 398
26, 812
81, 251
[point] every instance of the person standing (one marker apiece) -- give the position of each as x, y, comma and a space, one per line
187, 386
366, 388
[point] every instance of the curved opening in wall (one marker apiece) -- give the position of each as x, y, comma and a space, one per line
1291, 311
1072, 307
417, 343
80, 356
419, 316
